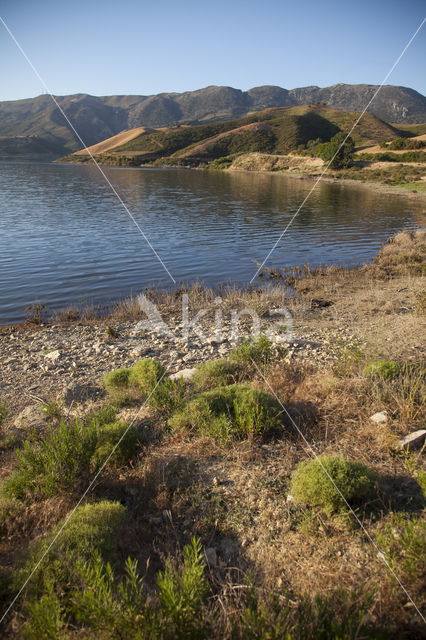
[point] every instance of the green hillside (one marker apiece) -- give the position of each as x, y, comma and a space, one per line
276, 130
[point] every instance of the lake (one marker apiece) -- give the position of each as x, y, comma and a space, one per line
65, 238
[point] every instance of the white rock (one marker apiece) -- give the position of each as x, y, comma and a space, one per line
53, 355
414, 440
186, 374
380, 417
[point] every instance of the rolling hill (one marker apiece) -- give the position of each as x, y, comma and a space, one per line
99, 118
276, 130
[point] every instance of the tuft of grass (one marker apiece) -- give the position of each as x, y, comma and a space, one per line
386, 369
118, 379
55, 463
403, 540
231, 412
258, 350
314, 483
216, 373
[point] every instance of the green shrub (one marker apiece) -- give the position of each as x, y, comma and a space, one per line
100, 603
91, 528
314, 483
146, 374
146, 379
118, 379
108, 437
54, 463
230, 412
386, 369
341, 157
216, 373
181, 591
258, 350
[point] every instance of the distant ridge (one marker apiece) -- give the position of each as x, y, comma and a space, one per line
99, 118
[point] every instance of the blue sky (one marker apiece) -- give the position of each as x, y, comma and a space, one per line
141, 47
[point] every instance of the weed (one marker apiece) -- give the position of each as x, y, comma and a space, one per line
312, 619
52, 410
8, 442
403, 540
314, 483
182, 591
118, 379
233, 411
258, 350
386, 369
35, 313
349, 356
216, 373
101, 603
112, 333
55, 463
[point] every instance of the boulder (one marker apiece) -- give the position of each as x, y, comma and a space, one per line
30, 418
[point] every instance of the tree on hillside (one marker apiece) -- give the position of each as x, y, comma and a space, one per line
341, 157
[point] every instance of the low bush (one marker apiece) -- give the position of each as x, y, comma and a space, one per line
109, 435
146, 374
328, 481
233, 411
145, 380
257, 350
92, 528
62, 460
59, 461
386, 369
216, 373
107, 606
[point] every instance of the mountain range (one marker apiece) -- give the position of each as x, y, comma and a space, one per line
35, 127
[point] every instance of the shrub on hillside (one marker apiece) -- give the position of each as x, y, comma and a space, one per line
216, 373
339, 152
328, 481
386, 369
230, 412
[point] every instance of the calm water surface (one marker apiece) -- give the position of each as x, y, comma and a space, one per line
65, 238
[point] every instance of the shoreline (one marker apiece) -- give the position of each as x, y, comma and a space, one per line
379, 187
